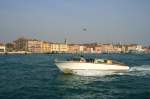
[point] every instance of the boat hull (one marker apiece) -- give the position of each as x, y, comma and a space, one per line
74, 67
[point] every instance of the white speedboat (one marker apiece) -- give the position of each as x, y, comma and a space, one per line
76, 65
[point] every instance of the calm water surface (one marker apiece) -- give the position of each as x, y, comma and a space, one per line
36, 77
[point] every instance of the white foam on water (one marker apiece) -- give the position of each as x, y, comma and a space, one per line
135, 70
93, 73
139, 70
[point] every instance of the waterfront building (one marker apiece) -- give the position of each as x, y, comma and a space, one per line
132, 47
139, 48
82, 48
98, 49
59, 48
76, 48
135, 48
63, 48
2, 48
38, 46
120, 48
34, 46
31, 45
21, 44
147, 49
55, 47
107, 48
90, 48
46, 47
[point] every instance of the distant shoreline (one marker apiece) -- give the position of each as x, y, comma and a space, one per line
62, 53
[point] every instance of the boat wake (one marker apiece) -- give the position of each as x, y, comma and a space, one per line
139, 70
135, 70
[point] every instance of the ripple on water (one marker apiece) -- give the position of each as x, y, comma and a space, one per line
36, 77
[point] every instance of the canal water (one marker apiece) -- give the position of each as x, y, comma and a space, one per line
36, 77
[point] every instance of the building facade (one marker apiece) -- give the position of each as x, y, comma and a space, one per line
46, 47
2, 48
34, 46
59, 48
76, 48
38, 46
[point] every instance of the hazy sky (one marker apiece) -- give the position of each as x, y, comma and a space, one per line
53, 20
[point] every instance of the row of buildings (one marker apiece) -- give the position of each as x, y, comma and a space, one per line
39, 46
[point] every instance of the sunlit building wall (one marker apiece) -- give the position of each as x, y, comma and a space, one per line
2, 48
76, 48
46, 47
34, 46
59, 47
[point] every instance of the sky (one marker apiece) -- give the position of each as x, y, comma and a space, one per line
79, 21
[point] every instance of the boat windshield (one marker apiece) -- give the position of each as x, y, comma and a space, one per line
99, 61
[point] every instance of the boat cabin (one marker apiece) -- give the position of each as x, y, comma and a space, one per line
96, 61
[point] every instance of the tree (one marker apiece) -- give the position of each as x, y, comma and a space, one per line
9, 47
